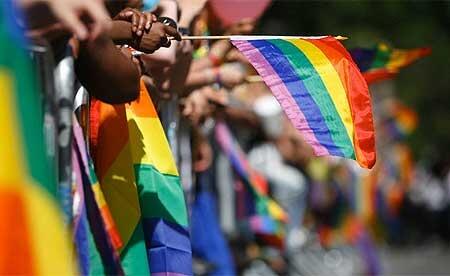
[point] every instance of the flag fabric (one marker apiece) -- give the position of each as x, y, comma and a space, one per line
101, 238
268, 218
114, 168
382, 62
141, 185
320, 89
33, 240
79, 219
31, 115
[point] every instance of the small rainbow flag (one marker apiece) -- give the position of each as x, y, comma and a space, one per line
320, 89
405, 119
269, 217
382, 62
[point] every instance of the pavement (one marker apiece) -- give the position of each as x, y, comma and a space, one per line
431, 259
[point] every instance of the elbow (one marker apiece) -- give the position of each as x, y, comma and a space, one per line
124, 92
129, 92
118, 91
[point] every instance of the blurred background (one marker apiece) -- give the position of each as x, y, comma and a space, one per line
401, 24
421, 246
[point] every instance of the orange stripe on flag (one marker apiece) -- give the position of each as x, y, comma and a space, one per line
113, 128
143, 110
16, 255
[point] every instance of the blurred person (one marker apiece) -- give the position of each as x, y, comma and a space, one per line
153, 35
208, 67
84, 18
99, 56
281, 159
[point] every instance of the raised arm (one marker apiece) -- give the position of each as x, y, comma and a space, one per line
106, 72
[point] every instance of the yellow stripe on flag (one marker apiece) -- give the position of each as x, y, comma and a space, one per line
161, 158
50, 239
12, 168
49, 242
121, 194
330, 79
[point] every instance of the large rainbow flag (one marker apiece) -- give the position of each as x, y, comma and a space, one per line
33, 239
142, 187
320, 89
382, 62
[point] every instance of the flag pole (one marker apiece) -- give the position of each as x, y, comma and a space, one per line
228, 37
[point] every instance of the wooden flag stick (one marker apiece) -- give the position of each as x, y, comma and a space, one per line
228, 37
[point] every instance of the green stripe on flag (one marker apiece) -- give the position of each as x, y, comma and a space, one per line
134, 256
316, 88
29, 104
161, 194
382, 56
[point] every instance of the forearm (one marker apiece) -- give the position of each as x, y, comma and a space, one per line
242, 116
181, 69
166, 56
121, 32
106, 73
199, 79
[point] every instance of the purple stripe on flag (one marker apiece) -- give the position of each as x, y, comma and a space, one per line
169, 247
281, 92
263, 224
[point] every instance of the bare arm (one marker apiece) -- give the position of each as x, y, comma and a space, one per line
121, 32
106, 73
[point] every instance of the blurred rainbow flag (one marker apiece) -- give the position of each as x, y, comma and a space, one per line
33, 240
269, 217
382, 62
320, 89
404, 120
142, 188
96, 237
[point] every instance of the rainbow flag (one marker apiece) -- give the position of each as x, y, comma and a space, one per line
114, 168
382, 62
95, 230
141, 185
403, 121
269, 217
33, 239
320, 89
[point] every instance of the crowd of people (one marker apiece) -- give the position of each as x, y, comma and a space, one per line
235, 151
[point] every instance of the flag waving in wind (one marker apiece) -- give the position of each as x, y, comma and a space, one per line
320, 89
382, 62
